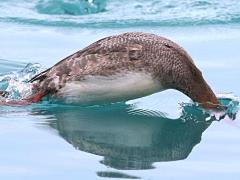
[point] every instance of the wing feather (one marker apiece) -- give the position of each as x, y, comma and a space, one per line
100, 58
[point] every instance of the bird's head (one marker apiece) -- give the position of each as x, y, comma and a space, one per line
188, 79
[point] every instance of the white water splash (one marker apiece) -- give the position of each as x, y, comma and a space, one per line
16, 83
230, 105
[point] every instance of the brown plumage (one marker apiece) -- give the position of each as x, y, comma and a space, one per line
165, 61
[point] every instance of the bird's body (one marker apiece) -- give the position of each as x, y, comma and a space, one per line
123, 67
106, 89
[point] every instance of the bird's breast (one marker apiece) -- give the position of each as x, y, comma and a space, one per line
104, 89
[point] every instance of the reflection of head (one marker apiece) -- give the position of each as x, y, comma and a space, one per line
130, 141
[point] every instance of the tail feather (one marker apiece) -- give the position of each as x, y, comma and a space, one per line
41, 76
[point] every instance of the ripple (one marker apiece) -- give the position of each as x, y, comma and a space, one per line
120, 14
116, 175
74, 7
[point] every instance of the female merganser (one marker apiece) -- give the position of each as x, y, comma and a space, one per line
123, 67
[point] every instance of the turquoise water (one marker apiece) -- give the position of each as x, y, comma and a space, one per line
162, 136
120, 13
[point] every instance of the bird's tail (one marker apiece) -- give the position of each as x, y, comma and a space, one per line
34, 98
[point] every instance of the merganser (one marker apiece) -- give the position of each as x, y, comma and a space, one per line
120, 68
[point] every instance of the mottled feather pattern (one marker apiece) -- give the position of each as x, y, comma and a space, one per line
133, 51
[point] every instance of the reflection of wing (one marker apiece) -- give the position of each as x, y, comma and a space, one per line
129, 141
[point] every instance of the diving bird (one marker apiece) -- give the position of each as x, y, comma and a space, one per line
123, 67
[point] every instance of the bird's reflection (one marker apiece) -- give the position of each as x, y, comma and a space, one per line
125, 139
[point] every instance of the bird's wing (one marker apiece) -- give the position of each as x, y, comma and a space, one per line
101, 58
